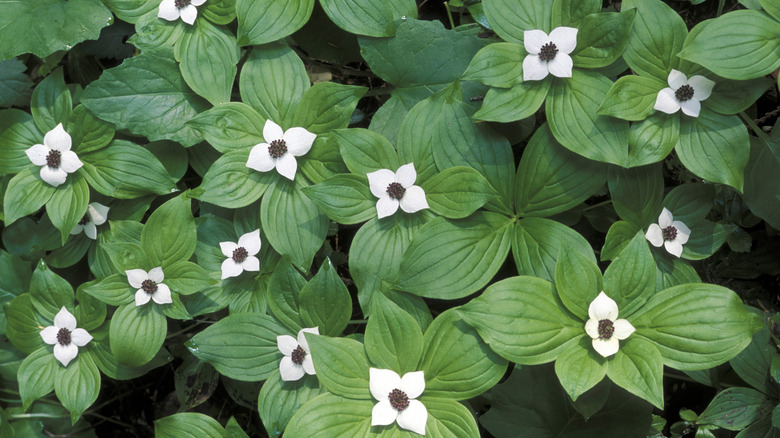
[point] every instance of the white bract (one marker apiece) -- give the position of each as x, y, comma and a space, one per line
65, 337
683, 93
297, 357
171, 10
54, 156
548, 54
149, 286
396, 189
280, 149
97, 214
241, 255
668, 232
396, 396
604, 327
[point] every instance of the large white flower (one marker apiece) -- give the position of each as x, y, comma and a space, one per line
149, 286
668, 232
65, 337
241, 255
54, 156
548, 54
297, 357
97, 214
396, 189
171, 10
280, 149
683, 93
604, 327
396, 396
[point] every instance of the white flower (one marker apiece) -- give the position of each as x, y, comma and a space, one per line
97, 214
396, 189
671, 234
297, 357
396, 396
683, 93
149, 286
54, 156
65, 337
280, 149
171, 10
604, 327
241, 255
548, 54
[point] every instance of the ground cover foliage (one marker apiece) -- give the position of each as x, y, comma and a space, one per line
357, 218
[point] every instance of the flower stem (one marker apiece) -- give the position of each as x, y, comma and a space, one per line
721, 4
35, 415
449, 15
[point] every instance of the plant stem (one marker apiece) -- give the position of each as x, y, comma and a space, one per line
34, 415
759, 133
721, 4
591, 207
449, 15
358, 321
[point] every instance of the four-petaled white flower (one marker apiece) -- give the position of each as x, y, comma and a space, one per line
297, 357
65, 337
668, 232
604, 327
280, 149
241, 255
683, 93
54, 156
171, 10
396, 396
149, 286
97, 214
396, 189
548, 54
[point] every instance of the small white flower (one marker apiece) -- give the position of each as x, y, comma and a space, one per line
241, 255
65, 337
280, 149
548, 54
97, 214
149, 286
297, 357
683, 93
171, 10
396, 396
396, 189
604, 327
54, 156
669, 233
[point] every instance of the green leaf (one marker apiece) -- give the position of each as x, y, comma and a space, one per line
738, 45
736, 408
656, 37
651, 140
342, 366
571, 110
570, 12
731, 97
551, 179
87, 132
497, 65
50, 292
638, 367
208, 57
273, 80
521, 101
280, 400
37, 375
362, 17
762, 171
328, 415
526, 305
15, 86
457, 192
365, 151
696, 326
169, 235
108, 364
131, 10
28, 26
630, 278
509, 19
602, 38
579, 368
393, 338
230, 184
449, 260
714, 147
631, 97
22, 324
448, 418
51, 102
261, 22
637, 193
690, 203
186, 278
283, 291
220, 11
457, 363
78, 384
327, 106
127, 255
325, 302
187, 425
158, 110
345, 198
232, 126
242, 346
578, 281
137, 333
68, 204
537, 242
26, 193
153, 33
17, 134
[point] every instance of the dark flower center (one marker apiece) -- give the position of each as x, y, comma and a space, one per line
398, 399
84, 220
149, 286
298, 355
63, 336
181, 3
54, 159
684, 93
670, 233
548, 52
396, 190
240, 254
277, 148
606, 329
